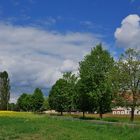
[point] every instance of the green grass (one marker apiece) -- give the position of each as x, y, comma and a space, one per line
28, 126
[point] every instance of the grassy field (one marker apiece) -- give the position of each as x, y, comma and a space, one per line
28, 126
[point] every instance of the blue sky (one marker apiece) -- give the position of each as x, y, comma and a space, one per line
96, 16
44, 38
99, 16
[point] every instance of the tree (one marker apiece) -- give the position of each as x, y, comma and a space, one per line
71, 81
38, 99
129, 79
4, 90
58, 99
31, 102
95, 73
46, 105
13, 107
25, 102
84, 100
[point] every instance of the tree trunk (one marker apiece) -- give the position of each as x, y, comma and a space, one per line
132, 114
100, 111
83, 114
7, 106
61, 113
69, 112
101, 115
133, 106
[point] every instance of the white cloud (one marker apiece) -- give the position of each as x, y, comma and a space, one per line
69, 65
128, 35
36, 58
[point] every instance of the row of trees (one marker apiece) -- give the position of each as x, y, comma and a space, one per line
101, 84
30, 102
26, 102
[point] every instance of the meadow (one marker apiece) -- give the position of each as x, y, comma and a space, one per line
29, 126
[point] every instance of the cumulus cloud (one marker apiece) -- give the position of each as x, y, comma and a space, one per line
37, 58
69, 65
128, 35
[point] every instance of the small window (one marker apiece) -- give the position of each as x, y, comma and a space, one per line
118, 112
122, 112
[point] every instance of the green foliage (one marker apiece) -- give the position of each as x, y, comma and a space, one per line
25, 102
71, 81
129, 79
13, 107
85, 101
58, 98
62, 94
31, 102
46, 105
95, 73
129, 69
37, 99
4, 90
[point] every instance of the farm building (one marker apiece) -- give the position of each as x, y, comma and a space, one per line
124, 111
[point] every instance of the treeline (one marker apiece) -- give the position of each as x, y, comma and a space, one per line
35, 102
102, 83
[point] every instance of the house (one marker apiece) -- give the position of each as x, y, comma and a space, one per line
126, 97
124, 111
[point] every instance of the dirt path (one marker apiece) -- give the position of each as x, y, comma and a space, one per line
100, 122
114, 123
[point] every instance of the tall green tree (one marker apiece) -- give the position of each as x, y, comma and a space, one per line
84, 100
4, 90
129, 79
58, 99
71, 80
38, 100
63, 93
95, 73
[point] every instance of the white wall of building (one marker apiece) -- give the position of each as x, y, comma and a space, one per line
124, 111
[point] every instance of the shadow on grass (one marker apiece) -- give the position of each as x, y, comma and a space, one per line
88, 118
82, 118
110, 120
95, 118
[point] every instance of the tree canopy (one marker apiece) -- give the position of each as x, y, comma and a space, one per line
58, 98
31, 102
95, 73
129, 79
